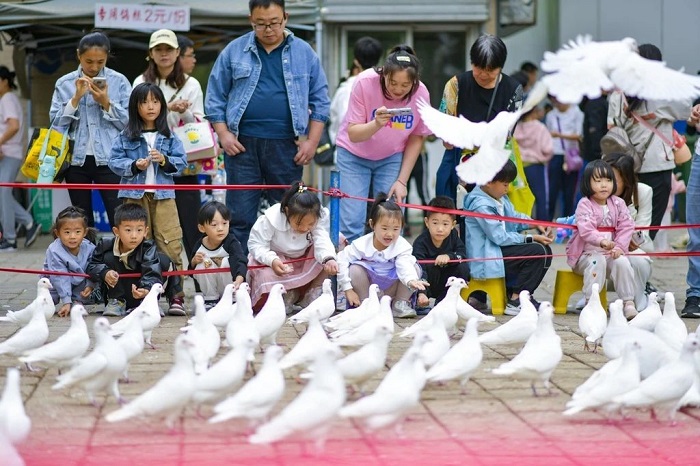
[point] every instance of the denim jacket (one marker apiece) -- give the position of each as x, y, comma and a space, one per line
90, 118
125, 152
486, 236
236, 72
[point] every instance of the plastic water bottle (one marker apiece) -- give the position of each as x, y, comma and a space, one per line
47, 169
219, 179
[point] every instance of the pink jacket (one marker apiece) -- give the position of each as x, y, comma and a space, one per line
589, 216
534, 141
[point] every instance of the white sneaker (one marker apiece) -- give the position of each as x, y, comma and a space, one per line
403, 310
512, 308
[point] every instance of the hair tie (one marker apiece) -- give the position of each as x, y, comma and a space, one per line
302, 188
405, 58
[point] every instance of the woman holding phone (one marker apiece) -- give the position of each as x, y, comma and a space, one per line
91, 103
381, 135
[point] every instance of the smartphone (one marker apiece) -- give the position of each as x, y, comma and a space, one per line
100, 82
400, 111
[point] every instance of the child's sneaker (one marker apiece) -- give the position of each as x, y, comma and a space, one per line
177, 307
114, 308
513, 307
403, 310
341, 303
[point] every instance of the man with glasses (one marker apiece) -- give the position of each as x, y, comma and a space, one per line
267, 99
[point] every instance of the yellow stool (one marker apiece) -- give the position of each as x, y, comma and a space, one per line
568, 283
494, 287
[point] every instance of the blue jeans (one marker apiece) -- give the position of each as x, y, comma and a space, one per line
265, 161
536, 175
11, 211
446, 178
692, 216
356, 175
561, 184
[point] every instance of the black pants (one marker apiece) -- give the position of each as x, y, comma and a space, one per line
122, 292
188, 204
437, 277
91, 173
660, 183
526, 273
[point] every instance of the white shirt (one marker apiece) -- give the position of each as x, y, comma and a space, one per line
150, 137
339, 106
570, 122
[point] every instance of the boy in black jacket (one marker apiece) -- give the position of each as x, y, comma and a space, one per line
218, 248
127, 253
439, 242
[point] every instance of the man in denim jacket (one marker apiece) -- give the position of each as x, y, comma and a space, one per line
267, 99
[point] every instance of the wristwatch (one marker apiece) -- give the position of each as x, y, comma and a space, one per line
528, 238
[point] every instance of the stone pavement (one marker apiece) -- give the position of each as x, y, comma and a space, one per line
497, 422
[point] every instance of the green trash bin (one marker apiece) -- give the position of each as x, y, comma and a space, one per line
42, 207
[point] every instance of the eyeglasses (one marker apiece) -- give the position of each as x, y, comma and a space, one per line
272, 26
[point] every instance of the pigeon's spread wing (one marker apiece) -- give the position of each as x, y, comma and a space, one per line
483, 166
649, 79
574, 51
583, 78
457, 131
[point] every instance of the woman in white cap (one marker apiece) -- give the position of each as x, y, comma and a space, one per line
184, 96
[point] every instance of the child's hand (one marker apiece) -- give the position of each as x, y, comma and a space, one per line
542, 239
86, 292
352, 298
442, 259
548, 231
418, 284
423, 300
198, 258
616, 252
112, 278
607, 244
138, 293
143, 164
237, 282
331, 267
156, 157
64, 310
279, 268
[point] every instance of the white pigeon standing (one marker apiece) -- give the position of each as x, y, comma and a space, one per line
131, 341
593, 320
323, 307
397, 393
616, 377
14, 422
438, 345
666, 387
671, 328
308, 345
540, 355
365, 332
149, 306
23, 316
311, 413
584, 68
66, 349
255, 400
272, 316
461, 360
517, 330
170, 395
205, 336
242, 326
358, 367
225, 376
223, 311
352, 318
100, 369
466, 311
33, 334
647, 319
445, 310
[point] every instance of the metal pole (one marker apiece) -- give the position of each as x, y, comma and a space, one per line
335, 223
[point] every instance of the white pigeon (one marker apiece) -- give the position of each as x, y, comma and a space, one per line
242, 326
365, 332
255, 400
466, 311
223, 311
654, 353
438, 345
666, 387
33, 334
100, 369
671, 328
517, 330
310, 414
149, 306
170, 395
358, 367
540, 355
323, 307
272, 316
23, 316
647, 319
445, 310
205, 336
461, 360
616, 377
67, 348
584, 68
352, 318
396, 394
490, 138
225, 376
131, 341
14, 422
593, 320
308, 345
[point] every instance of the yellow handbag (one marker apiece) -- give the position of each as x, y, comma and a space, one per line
48, 142
519, 191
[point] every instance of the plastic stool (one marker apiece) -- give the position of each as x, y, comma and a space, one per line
568, 283
494, 287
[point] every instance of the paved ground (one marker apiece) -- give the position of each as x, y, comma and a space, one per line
497, 422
